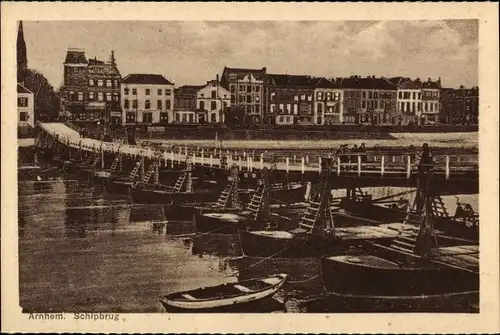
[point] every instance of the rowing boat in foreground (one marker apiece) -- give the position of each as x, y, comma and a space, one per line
229, 295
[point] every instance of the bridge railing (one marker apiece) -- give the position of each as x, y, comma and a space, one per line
403, 163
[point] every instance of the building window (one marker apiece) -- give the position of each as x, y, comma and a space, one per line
91, 82
116, 84
202, 105
257, 88
363, 104
413, 107
249, 99
163, 117
273, 96
257, 98
80, 96
213, 105
23, 116
242, 98
134, 104
22, 102
233, 99
168, 104
91, 95
147, 117
303, 97
108, 96
233, 88
242, 88
100, 83
281, 118
213, 118
375, 95
159, 91
177, 117
125, 91
130, 117
134, 91
100, 96
126, 104
159, 104
273, 108
191, 118
257, 108
147, 104
168, 92
147, 91
281, 108
213, 94
108, 83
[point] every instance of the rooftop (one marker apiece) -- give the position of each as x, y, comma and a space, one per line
22, 89
149, 79
75, 56
357, 82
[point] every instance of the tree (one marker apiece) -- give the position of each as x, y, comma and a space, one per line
47, 101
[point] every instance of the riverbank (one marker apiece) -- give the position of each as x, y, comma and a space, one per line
446, 140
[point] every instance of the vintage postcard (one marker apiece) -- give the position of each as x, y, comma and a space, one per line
250, 167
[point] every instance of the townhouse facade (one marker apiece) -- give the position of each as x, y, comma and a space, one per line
371, 100
25, 107
430, 102
246, 87
328, 102
104, 82
459, 106
201, 103
91, 89
409, 100
146, 99
213, 100
289, 99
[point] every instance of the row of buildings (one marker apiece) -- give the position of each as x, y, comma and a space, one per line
95, 90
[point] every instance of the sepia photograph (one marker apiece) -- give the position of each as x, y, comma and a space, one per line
255, 166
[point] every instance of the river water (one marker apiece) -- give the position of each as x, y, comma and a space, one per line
81, 250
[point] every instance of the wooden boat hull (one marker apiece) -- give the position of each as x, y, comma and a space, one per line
117, 186
224, 296
285, 244
159, 196
461, 302
227, 222
392, 284
372, 211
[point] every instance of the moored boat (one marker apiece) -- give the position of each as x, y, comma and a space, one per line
225, 296
412, 270
395, 285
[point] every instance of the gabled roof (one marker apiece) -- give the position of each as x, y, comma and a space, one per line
241, 72
149, 79
322, 82
75, 57
433, 85
188, 89
367, 83
22, 89
290, 80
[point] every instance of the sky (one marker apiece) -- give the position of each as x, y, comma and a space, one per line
193, 52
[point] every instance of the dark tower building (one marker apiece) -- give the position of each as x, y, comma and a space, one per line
22, 60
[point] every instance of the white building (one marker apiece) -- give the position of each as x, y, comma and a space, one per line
201, 103
147, 98
25, 107
214, 99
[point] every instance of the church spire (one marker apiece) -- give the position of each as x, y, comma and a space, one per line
22, 60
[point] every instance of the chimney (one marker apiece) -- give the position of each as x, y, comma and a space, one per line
112, 58
217, 78
264, 69
429, 79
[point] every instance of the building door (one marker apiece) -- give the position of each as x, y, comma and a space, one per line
201, 117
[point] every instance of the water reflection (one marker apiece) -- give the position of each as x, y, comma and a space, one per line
83, 250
